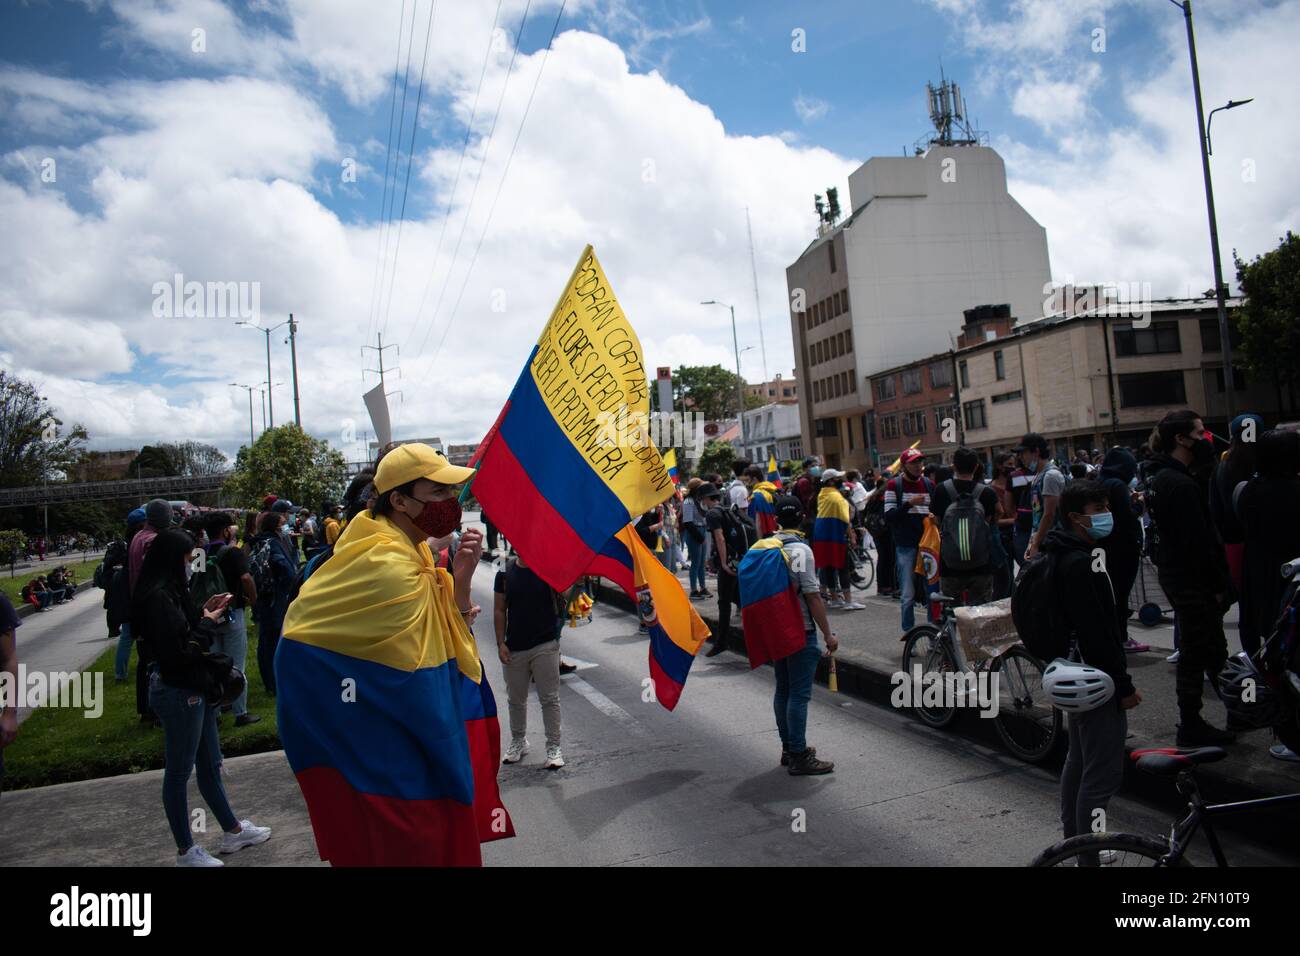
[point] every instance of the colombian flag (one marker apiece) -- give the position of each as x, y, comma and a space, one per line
769, 604
927, 561
384, 712
773, 473
762, 508
670, 462
676, 629
569, 462
831, 530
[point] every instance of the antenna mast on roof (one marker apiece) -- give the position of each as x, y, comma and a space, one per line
948, 115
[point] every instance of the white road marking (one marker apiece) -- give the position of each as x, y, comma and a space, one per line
602, 703
579, 663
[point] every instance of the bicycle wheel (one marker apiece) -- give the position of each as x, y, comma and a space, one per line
925, 648
1108, 850
1030, 727
864, 569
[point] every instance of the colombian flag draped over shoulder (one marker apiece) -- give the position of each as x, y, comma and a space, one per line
676, 628
762, 508
927, 555
569, 464
769, 604
831, 530
386, 718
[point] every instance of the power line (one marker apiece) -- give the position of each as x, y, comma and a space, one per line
492, 209
469, 129
410, 161
392, 197
477, 179
388, 155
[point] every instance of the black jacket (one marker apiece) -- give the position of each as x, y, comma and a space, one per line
1123, 546
174, 634
1270, 520
1088, 606
1189, 552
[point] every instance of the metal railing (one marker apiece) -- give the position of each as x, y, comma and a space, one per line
63, 492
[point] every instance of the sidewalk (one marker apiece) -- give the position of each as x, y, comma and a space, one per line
871, 651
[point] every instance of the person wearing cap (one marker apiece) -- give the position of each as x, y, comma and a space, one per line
834, 527
907, 503
805, 486
1044, 489
794, 674
738, 488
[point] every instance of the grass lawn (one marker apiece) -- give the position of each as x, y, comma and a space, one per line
13, 586
56, 745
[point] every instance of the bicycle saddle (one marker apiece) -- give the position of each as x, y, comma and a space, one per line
1168, 761
942, 599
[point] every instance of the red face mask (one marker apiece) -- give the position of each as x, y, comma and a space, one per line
438, 518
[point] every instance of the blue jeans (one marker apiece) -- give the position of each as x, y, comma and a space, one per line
122, 661
906, 562
794, 681
695, 552
231, 639
190, 742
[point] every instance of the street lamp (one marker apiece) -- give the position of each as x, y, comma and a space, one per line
1203, 135
267, 333
249, 389
735, 344
1230, 105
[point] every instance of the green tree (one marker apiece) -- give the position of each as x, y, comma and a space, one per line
288, 462
707, 389
33, 445
192, 458
154, 461
1270, 316
12, 545
717, 457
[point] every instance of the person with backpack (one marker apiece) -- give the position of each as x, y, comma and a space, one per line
1064, 609
738, 488
693, 532
177, 633
831, 539
1193, 569
967, 512
1123, 546
117, 594
907, 503
528, 615
274, 569
227, 570
1044, 490
732, 533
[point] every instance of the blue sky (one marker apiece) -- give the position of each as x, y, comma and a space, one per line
225, 166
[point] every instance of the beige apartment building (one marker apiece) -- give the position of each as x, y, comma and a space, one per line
1094, 379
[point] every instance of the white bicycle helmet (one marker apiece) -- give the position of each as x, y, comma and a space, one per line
1076, 688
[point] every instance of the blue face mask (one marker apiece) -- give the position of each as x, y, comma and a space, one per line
816, 471
1133, 483
1102, 525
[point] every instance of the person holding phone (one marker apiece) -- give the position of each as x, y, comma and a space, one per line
176, 633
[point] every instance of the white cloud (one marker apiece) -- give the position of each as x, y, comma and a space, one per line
810, 108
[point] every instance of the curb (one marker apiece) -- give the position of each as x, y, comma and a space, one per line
27, 610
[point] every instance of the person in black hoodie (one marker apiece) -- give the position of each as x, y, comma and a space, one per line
1123, 546
1236, 465
272, 603
1269, 511
1094, 764
1193, 569
176, 633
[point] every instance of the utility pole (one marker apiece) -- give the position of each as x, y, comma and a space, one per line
379, 349
293, 356
758, 309
249, 389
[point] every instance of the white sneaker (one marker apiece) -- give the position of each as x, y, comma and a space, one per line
1172, 658
835, 605
854, 606
249, 835
516, 751
1283, 752
554, 759
1107, 857
197, 856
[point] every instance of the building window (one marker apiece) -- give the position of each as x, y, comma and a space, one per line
1152, 388
889, 426
853, 382
796, 449
963, 374
940, 374
999, 366
785, 393
845, 293
1007, 397
836, 381
827, 427
848, 339
942, 414
849, 429
911, 381
1160, 339
830, 248
914, 423
885, 388
1238, 380
835, 303
975, 415
1210, 339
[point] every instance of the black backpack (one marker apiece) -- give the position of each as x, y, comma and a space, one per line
1036, 609
964, 533
739, 533
259, 566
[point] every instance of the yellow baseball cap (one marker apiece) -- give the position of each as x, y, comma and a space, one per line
407, 463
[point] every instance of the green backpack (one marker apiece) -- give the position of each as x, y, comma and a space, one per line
209, 581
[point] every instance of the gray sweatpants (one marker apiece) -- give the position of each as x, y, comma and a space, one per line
1094, 765
541, 664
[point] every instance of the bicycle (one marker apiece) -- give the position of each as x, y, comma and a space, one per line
1128, 849
862, 568
1026, 722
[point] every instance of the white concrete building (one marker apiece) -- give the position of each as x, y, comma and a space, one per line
772, 430
928, 236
